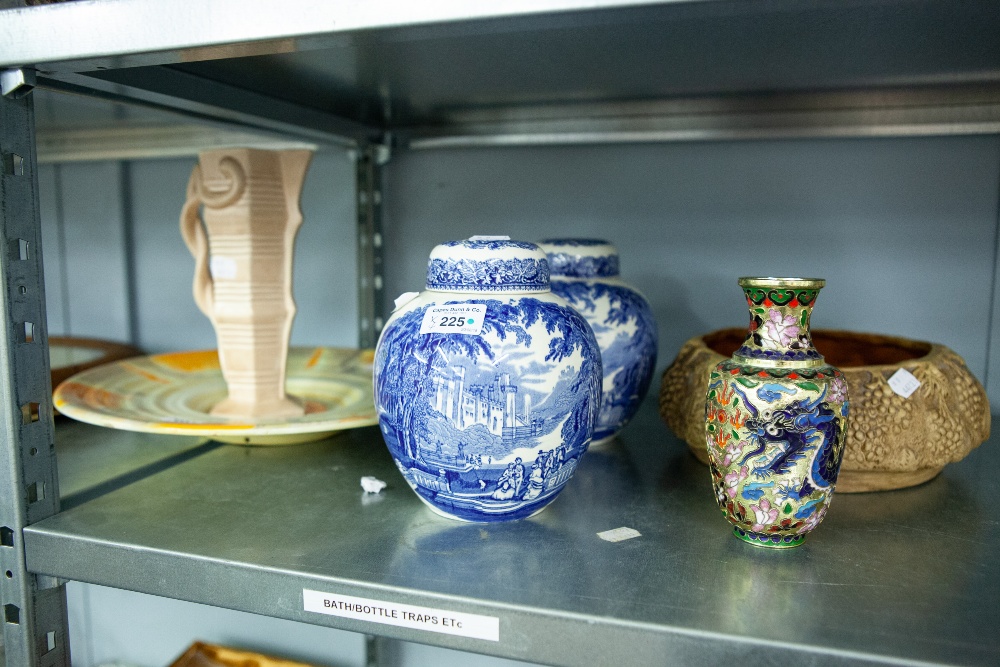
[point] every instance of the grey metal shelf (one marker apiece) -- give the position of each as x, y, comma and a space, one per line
555, 71
75, 128
903, 577
94, 461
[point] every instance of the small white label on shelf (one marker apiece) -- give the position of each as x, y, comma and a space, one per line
903, 383
462, 318
403, 615
222, 267
619, 534
372, 484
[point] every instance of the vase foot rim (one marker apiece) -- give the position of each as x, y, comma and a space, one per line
769, 541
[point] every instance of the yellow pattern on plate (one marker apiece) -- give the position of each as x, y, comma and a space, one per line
173, 393
189, 362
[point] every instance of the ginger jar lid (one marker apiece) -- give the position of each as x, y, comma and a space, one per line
488, 264
581, 258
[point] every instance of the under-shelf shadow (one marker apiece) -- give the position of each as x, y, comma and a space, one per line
89, 493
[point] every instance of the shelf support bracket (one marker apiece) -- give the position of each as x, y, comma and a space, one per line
17, 83
369, 160
34, 620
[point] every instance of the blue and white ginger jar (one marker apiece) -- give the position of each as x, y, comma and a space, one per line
487, 385
585, 273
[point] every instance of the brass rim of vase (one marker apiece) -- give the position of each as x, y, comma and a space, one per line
782, 283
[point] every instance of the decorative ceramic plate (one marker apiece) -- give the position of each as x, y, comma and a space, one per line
173, 393
69, 355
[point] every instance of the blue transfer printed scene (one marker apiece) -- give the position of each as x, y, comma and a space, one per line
489, 427
626, 332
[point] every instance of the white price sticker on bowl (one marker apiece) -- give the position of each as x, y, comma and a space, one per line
461, 318
903, 383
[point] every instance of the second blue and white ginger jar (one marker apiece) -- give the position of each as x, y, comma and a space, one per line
487, 385
585, 272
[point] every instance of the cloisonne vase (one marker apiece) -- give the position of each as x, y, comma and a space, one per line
585, 273
776, 419
487, 385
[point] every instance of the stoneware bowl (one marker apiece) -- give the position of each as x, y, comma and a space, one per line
892, 442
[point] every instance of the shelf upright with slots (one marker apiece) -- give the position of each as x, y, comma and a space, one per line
369, 160
34, 607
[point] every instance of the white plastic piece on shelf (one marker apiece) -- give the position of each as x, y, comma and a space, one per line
405, 298
372, 484
619, 534
904, 383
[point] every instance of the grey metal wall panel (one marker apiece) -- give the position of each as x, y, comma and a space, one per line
49, 196
95, 262
326, 255
396, 653
167, 316
85, 256
116, 626
902, 229
993, 369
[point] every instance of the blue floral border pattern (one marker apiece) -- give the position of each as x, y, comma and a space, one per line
491, 245
568, 264
576, 242
488, 275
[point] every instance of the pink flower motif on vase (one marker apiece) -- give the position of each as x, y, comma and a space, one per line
779, 330
733, 450
838, 391
813, 520
764, 513
733, 480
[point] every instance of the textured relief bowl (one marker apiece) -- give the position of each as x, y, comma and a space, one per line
892, 442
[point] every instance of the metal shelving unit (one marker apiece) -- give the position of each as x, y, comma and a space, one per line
912, 584
903, 579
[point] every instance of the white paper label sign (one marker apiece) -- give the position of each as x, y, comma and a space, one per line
462, 318
222, 267
903, 383
403, 615
619, 534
